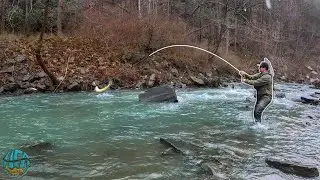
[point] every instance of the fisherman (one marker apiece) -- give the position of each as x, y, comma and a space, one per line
263, 83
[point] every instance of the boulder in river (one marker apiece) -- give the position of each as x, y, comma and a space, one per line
310, 100
214, 170
293, 168
159, 94
37, 147
170, 145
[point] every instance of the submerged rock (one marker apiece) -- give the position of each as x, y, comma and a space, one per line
37, 147
214, 171
159, 94
170, 145
293, 168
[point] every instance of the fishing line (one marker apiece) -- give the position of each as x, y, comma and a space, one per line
196, 48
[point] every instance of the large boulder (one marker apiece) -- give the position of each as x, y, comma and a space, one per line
74, 87
310, 100
11, 87
159, 94
197, 81
293, 167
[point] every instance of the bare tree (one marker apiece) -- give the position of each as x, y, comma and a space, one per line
39, 46
3, 5
59, 17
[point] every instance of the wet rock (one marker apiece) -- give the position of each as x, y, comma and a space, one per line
142, 83
1, 90
317, 96
41, 74
310, 100
167, 152
174, 71
33, 78
159, 94
170, 145
224, 85
36, 147
310, 68
152, 80
198, 81
180, 85
74, 87
83, 71
316, 83
26, 78
30, 91
208, 74
214, 82
308, 123
280, 95
11, 87
293, 168
40, 87
8, 70
10, 79
214, 171
20, 58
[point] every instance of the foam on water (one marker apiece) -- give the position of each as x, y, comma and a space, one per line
104, 96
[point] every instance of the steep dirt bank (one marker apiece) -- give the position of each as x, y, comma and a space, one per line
77, 62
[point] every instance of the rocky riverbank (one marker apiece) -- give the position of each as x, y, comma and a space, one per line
78, 62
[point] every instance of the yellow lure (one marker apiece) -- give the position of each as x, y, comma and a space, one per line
97, 89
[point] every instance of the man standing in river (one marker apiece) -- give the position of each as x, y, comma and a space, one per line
263, 83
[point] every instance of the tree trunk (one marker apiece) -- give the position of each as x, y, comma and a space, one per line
149, 7
26, 17
139, 8
59, 18
169, 8
39, 46
235, 33
3, 13
227, 34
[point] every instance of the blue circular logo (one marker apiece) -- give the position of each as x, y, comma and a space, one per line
16, 163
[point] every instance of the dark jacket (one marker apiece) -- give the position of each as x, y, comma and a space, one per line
262, 82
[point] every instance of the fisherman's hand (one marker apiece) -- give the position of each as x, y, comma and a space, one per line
242, 73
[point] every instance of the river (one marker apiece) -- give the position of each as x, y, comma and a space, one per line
113, 136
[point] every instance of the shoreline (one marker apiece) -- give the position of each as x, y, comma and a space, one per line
232, 85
